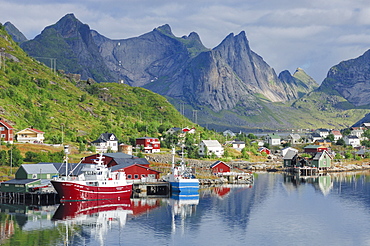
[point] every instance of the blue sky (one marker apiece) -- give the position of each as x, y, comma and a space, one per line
312, 34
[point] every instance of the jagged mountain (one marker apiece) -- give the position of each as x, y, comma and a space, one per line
71, 43
15, 33
229, 79
299, 83
351, 80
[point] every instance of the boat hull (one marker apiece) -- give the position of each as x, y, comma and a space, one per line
73, 191
184, 185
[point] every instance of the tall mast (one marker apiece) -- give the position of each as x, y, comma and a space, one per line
66, 159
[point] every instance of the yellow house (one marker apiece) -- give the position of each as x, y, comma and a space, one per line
30, 135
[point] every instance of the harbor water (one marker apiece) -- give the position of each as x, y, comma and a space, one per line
277, 209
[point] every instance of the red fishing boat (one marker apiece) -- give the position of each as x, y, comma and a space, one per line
96, 182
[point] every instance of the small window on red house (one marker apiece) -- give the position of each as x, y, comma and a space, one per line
136, 176
129, 176
143, 175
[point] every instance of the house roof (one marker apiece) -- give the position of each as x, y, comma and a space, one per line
61, 168
37, 168
313, 146
322, 130
319, 154
6, 124
295, 136
117, 167
273, 136
211, 143
336, 132
351, 137
131, 161
119, 155
20, 181
105, 137
217, 163
32, 130
238, 142
290, 154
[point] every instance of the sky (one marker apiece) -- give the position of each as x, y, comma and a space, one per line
311, 34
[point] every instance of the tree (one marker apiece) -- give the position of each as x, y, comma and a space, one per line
15, 157
330, 137
340, 142
3, 157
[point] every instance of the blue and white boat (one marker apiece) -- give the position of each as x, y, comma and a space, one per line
181, 177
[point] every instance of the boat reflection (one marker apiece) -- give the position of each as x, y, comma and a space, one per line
183, 205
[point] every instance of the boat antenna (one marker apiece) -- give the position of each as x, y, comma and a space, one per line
173, 158
66, 152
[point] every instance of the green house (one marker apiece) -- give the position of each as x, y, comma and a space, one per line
36, 171
19, 185
321, 160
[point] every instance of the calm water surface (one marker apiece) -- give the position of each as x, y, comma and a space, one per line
276, 210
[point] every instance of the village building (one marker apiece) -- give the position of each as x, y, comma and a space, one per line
220, 167
173, 130
290, 159
229, 133
125, 148
313, 149
352, 140
358, 133
238, 145
314, 137
323, 142
36, 171
19, 185
106, 142
337, 135
324, 133
363, 152
273, 139
322, 160
365, 125
6, 132
30, 135
148, 144
295, 138
118, 158
285, 150
209, 147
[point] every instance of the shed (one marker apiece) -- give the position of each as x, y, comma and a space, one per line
19, 185
220, 167
137, 173
36, 171
321, 160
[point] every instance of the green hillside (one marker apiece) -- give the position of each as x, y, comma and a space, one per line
32, 95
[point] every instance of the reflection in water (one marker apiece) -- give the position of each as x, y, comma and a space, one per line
277, 210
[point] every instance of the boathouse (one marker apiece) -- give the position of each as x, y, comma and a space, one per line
113, 159
321, 160
220, 167
137, 173
313, 149
36, 171
19, 185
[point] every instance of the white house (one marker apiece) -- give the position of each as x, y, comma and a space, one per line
212, 147
285, 150
273, 139
238, 145
30, 135
337, 135
358, 133
322, 132
105, 142
352, 140
294, 138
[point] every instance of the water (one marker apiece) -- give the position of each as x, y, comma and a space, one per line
276, 210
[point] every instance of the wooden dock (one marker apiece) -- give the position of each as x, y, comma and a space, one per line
152, 189
29, 198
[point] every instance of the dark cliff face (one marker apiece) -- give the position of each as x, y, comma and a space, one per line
351, 80
70, 42
15, 33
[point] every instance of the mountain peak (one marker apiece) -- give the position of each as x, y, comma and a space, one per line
165, 29
14, 32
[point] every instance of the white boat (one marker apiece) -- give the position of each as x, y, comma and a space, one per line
181, 177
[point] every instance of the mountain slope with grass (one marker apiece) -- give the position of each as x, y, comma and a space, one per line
33, 95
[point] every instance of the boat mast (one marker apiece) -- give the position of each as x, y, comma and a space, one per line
66, 159
173, 158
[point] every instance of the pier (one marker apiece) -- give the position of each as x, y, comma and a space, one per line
29, 198
153, 189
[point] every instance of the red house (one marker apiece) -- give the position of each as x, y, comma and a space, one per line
313, 149
220, 167
6, 132
138, 172
148, 144
136, 169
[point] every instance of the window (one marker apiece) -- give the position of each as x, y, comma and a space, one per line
129, 176
136, 176
143, 175
2, 128
2, 135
